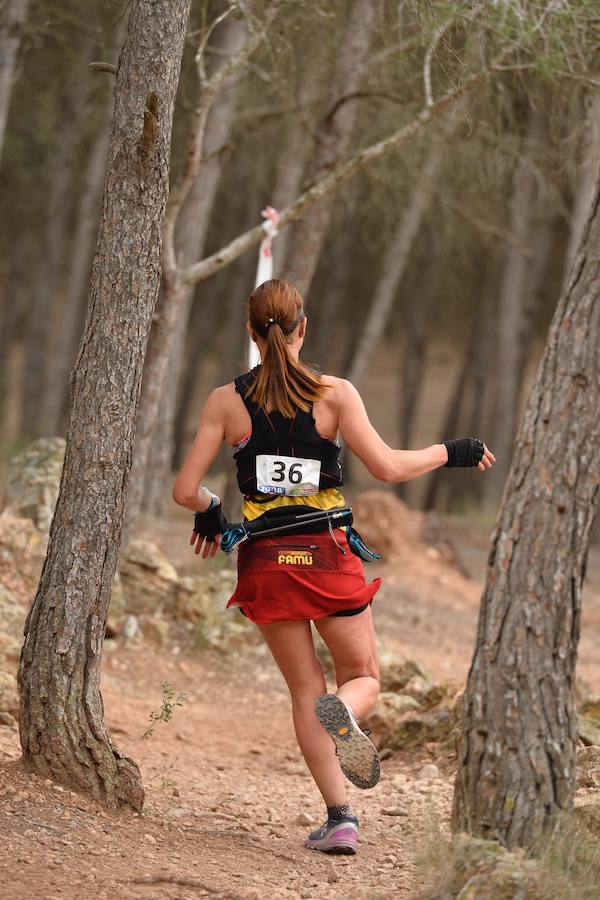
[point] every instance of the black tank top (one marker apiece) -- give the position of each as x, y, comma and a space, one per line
283, 456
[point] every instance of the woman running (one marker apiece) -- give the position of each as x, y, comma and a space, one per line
283, 421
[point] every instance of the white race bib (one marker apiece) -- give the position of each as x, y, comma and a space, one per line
289, 475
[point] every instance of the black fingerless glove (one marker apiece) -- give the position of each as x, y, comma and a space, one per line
464, 452
210, 523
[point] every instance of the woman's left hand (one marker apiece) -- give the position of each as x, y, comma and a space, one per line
205, 547
487, 460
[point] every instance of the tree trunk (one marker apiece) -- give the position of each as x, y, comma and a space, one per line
50, 267
395, 261
513, 293
62, 730
80, 259
163, 362
411, 372
292, 160
586, 172
439, 478
332, 142
12, 18
199, 340
517, 750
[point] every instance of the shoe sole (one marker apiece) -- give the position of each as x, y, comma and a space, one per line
357, 755
339, 850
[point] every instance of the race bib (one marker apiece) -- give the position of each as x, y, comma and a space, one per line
289, 475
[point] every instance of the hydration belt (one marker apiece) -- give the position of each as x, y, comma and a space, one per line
298, 519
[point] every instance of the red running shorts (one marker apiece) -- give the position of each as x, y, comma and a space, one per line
303, 576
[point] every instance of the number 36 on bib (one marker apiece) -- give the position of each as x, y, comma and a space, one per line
289, 475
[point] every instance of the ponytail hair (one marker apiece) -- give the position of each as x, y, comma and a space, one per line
275, 309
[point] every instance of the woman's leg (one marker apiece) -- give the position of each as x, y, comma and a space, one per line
351, 642
292, 647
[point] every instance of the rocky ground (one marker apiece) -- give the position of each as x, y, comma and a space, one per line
228, 798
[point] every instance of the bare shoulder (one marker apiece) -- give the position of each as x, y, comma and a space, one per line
220, 400
341, 390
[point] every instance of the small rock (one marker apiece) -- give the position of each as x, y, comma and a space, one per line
303, 819
589, 733
386, 753
394, 811
7, 720
130, 627
428, 772
150, 838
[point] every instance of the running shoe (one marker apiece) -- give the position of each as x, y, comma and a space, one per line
335, 836
357, 754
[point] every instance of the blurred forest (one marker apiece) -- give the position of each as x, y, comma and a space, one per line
430, 276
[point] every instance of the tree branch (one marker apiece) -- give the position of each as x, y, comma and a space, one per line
193, 163
207, 267
439, 34
103, 67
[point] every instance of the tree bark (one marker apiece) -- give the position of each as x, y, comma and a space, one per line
12, 18
518, 744
332, 142
395, 261
62, 730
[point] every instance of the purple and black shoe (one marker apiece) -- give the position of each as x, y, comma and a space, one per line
335, 836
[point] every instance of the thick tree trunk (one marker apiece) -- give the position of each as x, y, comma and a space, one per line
332, 142
513, 294
517, 750
12, 18
395, 261
62, 730
163, 361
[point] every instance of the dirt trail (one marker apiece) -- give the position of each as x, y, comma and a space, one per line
225, 784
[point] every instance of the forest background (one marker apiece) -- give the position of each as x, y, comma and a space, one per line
452, 247
435, 165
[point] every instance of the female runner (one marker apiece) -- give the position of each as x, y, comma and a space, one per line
283, 421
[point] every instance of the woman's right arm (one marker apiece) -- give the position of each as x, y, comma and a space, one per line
383, 462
